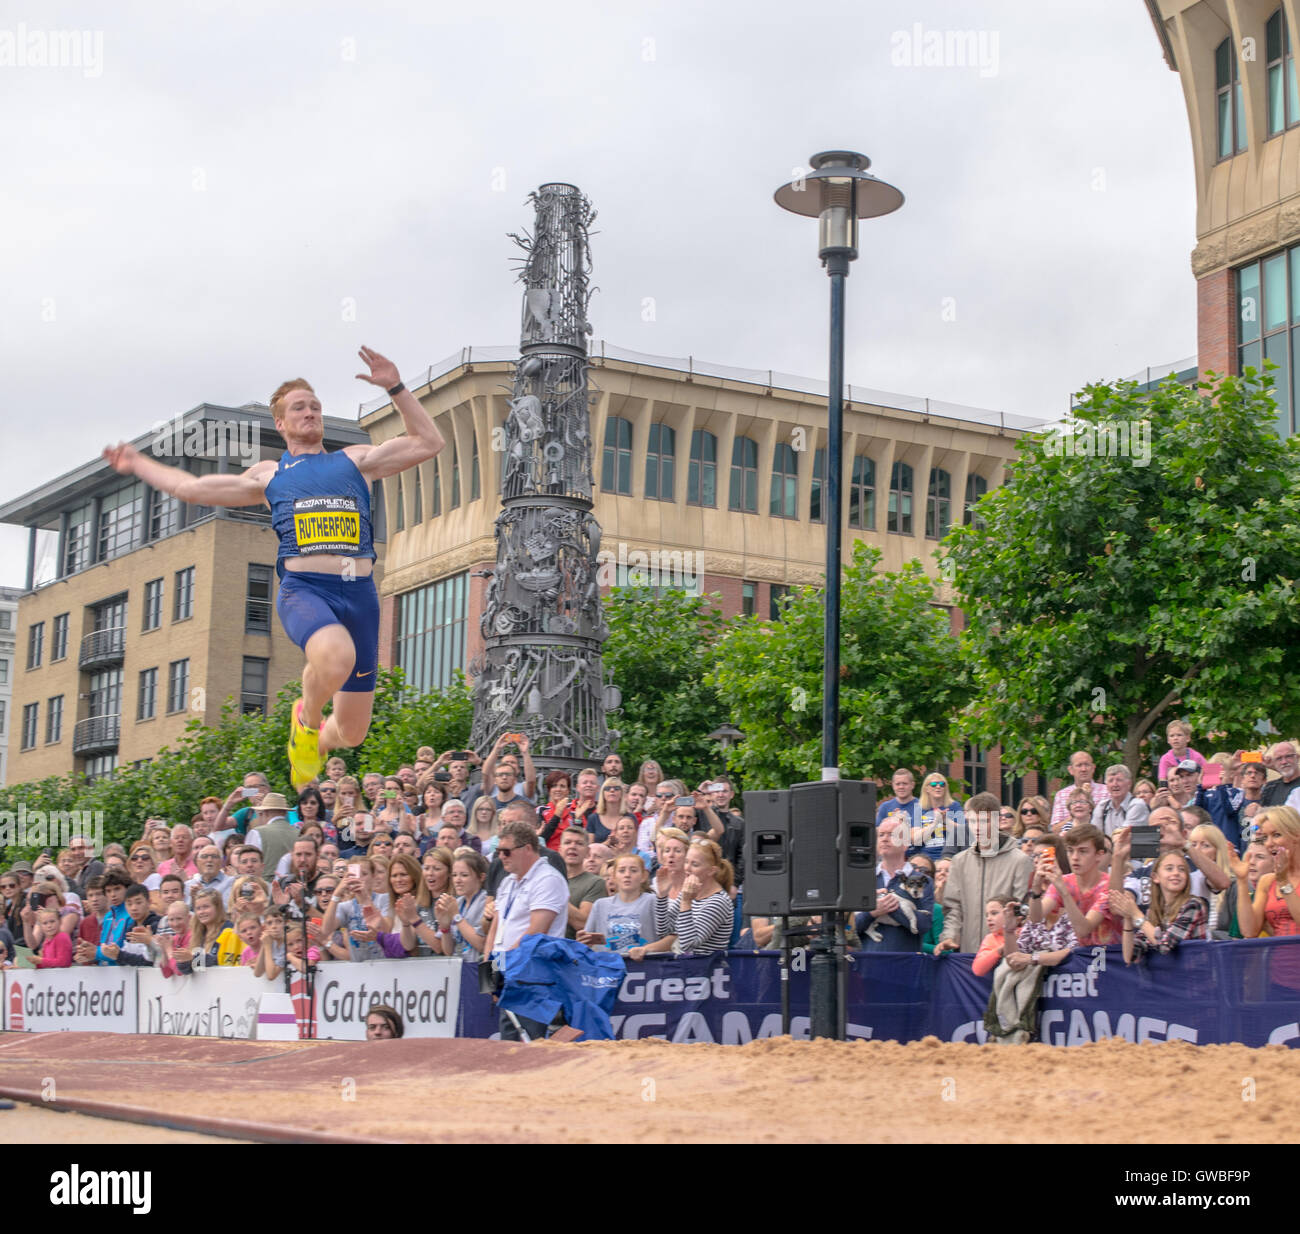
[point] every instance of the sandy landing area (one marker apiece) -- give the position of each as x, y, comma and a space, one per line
774, 1090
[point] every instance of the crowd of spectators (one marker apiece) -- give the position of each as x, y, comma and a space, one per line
461, 856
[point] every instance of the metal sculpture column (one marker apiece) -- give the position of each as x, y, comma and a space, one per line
543, 624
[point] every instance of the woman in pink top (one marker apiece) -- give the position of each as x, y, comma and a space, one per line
1276, 903
989, 954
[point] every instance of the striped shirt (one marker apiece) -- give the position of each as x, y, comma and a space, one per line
705, 926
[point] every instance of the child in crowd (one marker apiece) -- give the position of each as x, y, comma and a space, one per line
249, 929
136, 948
989, 954
627, 918
173, 933
1179, 736
56, 948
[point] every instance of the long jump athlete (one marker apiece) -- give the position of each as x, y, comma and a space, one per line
320, 510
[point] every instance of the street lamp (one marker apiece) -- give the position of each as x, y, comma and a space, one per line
837, 191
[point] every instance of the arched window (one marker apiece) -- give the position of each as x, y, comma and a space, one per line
660, 463
437, 489
785, 481
616, 466
976, 487
815, 495
455, 478
938, 504
473, 465
417, 497
900, 499
702, 474
1228, 100
1283, 95
744, 476
862, 494
401, 505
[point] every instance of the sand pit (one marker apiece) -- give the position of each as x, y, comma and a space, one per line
775, 1090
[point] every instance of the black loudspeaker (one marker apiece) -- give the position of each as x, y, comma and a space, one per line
811, 849
833, 846
767, 853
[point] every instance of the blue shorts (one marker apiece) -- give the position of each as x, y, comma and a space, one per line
309, 602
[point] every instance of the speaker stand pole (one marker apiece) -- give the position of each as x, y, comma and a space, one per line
785, 976
841, 985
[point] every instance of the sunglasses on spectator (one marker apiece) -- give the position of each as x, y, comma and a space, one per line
937, 784
504, 852
8, 886
141, 857
1028, 810
1008, 813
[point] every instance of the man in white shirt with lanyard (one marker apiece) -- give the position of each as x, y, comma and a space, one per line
532, 899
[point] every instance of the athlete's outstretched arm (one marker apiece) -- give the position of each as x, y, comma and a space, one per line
422, 439
246, 488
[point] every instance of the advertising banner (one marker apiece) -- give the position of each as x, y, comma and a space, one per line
424, 992
70, 999
217, 1002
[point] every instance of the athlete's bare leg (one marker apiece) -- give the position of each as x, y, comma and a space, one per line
349, 721
330, 658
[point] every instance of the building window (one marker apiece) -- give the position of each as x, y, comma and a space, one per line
164, 515
437, 489
257, 603
431, 632
744, 476
1268, 328
702, 473
252, 687
100, 767
31, 720
776, 601
748, 598
900, 499
938, 504
76, 553
975, 769
121, 521
378, 512
417, 496
785, 481
1283, 95
146, 699
400, 517
153, 598
106, 693
455, 483
4, 706
660, 463
976, 487
183, 602
4, 672
473, 465
616, 462
54, 720
35, 644
59, 641
862, 494
178, 685
815, 512
1228, 95
6, 619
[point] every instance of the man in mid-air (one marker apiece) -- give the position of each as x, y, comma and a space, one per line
320, 510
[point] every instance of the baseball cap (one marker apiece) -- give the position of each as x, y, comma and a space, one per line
1187, 764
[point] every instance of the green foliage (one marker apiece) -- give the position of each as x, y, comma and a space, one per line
900, 679
211, 760
1104, 597
660, 649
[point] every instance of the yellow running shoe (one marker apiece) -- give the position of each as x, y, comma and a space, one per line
305, 759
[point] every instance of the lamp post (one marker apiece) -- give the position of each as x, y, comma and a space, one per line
837, 191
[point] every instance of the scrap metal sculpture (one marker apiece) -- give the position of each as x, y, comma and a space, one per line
543, 623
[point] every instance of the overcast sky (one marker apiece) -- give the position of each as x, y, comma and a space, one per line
188, 217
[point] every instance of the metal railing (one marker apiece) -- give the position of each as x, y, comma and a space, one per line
96, 734
103, 647
693, 367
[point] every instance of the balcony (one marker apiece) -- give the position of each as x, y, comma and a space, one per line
96, 735
103, 647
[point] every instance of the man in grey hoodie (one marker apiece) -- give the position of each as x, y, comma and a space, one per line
993, 867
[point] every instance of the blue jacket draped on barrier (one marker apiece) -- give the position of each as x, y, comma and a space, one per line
1206, 992
544, 974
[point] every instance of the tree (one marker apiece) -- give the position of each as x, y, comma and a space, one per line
1106, 591
659, 651
901, 684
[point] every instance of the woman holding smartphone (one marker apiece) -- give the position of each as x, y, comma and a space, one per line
460, 918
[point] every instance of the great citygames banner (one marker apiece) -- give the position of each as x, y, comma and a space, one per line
67, 999
424, 992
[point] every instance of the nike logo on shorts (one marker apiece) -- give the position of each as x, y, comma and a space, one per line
365, 674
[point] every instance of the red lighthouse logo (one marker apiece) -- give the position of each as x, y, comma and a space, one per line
301, 1004
15, 1006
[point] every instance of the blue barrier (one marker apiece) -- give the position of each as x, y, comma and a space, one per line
1207, 992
